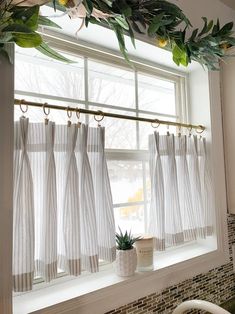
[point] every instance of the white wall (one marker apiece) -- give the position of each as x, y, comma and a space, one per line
213, 9
6, 183
228, 109
230, 3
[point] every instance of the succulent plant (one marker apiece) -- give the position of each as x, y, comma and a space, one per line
125, 240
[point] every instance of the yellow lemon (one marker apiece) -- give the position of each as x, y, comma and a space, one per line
162, 42
224, 46
63, 2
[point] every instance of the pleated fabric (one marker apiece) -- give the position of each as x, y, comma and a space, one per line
70, 227
173, 225
184, 189
156, 217
103, 196
207, 187
196, 186
41, 154
23, 219
63, 214
89, 240
181, 207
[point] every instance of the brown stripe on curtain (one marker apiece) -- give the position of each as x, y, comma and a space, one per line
23, 282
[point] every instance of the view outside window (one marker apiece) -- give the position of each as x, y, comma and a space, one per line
94, 85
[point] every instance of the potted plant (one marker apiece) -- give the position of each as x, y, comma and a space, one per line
126, 257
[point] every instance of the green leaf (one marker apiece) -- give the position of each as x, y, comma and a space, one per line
121, 43
204, 28
226, 29
210, 25
132, 36
216, 28
46, 50
122, 22
180, 56
127, 11
125, 241
42, 20
30, 40
194, 35
88, 5
231, 41
155, 24
136, 28
5, 38
27, 16
32, 17
17, 28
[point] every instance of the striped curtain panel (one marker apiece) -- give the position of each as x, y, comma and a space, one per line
103, 195
63, 213
23, 218
181, 190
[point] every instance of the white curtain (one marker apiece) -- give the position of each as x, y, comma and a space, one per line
181, 207
23, 219
63, 209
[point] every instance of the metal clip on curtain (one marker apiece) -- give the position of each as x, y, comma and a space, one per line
69, 115
46, 113
78, 117
155, 124
21, 102
101, 115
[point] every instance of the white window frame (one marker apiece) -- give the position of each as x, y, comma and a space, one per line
116, 292
181, 113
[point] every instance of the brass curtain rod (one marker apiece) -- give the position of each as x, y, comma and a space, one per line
199, 128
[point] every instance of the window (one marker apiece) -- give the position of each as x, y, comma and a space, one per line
178, 263
90, 83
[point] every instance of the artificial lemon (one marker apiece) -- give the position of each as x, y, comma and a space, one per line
63, 2
162, 42
224, 46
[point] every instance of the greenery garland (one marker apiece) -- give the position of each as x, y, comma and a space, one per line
159, 19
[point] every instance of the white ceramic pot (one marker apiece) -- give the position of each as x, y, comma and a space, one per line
126, 262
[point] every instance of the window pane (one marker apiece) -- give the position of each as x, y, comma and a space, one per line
126, 179
130, 218
119, 133
39, 74
156, 95
111, 85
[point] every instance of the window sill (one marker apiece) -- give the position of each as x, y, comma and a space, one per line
103, 291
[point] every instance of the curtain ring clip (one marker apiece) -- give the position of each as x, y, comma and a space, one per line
69, 115
78, 114
155, 124
200, 129
44, 106
168, 128
179, 130
22, 101
190, 129
101, 114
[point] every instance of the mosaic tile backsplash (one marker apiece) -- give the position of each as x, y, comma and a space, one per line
217, 286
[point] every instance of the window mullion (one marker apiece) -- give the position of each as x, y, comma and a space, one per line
137, 110
86, 87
